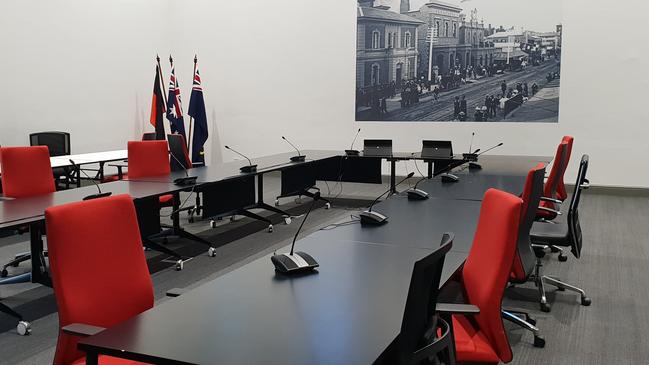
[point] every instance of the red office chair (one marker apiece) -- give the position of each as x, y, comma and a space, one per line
26, 172
120, 166
562, 194
149, 158
548, 209
525, 262
84, 252
481, 337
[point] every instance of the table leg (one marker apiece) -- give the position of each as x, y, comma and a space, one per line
393, 178
260, 188
430, 169
39, 271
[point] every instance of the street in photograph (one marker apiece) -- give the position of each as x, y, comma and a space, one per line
458, 61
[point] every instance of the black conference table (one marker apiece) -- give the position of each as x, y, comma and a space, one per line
346, 313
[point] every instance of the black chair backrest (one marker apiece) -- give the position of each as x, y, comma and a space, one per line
419, 325
531, 198
57, 142
179, 153
148, 136
574, 228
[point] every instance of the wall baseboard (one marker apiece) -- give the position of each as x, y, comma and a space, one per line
614, 190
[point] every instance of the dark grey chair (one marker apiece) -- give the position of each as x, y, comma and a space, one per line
59, 145
563, 234
424, 336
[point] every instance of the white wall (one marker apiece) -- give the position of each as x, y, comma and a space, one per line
286, 67
80, 66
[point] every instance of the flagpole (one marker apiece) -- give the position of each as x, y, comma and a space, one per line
162, 83
191, 120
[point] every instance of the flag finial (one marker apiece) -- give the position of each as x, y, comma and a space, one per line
171, 60
157, 58
195, 59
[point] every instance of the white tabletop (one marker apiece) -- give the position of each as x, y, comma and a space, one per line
86, 158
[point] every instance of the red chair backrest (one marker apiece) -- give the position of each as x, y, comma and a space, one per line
486, 270
562, 194
99, 271
524, 260
26, 171
557, 170
148, 158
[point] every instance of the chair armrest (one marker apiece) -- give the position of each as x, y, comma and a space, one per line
556, 201
585, 185
551, 210
175, 292
454, 308
82, 330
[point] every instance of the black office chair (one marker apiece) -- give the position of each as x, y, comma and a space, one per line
59, 145
563, 234
148, 136
180, 161
424, 335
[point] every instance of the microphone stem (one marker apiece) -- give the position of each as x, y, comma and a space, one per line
301, 224
180, 163
292, 145
242, 155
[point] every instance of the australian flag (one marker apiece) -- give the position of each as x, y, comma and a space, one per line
197, 111
174, 106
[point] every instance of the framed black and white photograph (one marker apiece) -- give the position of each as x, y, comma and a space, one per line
458, 60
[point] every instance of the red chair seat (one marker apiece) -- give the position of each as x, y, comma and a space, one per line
471, 346
108, 360
166, 200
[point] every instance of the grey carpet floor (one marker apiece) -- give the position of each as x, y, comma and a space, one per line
612, 270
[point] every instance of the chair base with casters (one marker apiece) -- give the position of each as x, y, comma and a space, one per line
527, 322
23, 327
247, 213
306, 193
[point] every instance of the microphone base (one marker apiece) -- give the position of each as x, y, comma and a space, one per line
184, 181
299, 262
352, 152
475, 166
248, 169
449, 178
470, 156
370, 218
98, 196
417, 194
300, 158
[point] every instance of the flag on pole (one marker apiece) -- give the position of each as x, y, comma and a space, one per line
197, 111
158, 104
174, 105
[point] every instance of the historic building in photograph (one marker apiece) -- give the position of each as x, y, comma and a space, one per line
448, 51
386, 45
472, 32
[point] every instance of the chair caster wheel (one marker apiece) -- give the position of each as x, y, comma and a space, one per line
4, 273
539, 342
24, 328
563, 258
270, 228
328, 206
545, 307
212, 223
585, 301
179, 265
211, 252
277, 202
287, 220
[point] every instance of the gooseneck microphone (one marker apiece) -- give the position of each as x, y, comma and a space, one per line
245, 169
370, 217
295, 262
474, 165
99, 194
183, 181
471, 144
471, 156
351, 151
300, 157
